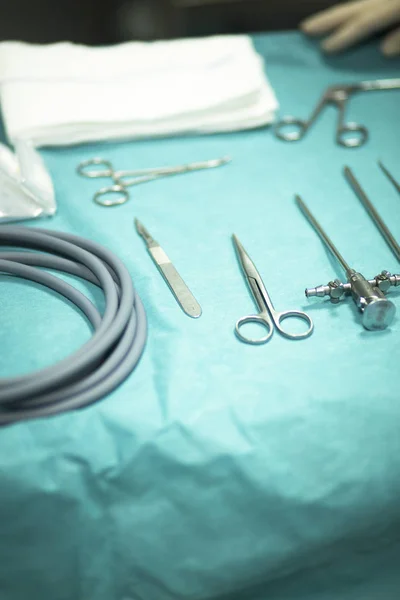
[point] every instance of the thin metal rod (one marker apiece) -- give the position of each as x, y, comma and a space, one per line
327, 241
373, 213
389, 176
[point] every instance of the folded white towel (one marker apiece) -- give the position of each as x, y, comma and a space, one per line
64, 93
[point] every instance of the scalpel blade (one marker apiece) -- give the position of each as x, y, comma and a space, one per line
175, 282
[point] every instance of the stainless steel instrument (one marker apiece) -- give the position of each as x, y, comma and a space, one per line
373, 213
368, 295
268, 317
118, 192
178, 287
389, 176
348, 133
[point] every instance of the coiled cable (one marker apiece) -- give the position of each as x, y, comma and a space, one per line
112, 353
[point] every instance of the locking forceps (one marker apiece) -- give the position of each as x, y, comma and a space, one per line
268, 317
348, 133
118, 193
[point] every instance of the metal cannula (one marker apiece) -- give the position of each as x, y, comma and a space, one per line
377, 311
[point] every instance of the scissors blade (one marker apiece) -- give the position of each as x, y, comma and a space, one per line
253, 278
247, 264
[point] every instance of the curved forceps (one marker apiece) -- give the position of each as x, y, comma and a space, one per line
338, 95
122, 180
268, 317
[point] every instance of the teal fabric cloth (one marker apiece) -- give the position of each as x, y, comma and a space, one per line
220, 471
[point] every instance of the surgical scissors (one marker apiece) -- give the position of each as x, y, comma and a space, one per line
122, 180
268, 317
348, 134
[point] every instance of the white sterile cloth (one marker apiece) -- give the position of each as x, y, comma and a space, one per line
26, 188
65, 93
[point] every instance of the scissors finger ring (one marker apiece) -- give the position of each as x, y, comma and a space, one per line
290, 129
358, 137
106, 171
113, 195
294, 314
259, 319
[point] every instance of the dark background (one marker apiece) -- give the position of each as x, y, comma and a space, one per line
110, 21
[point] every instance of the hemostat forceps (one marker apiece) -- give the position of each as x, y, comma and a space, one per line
122, 180
348, 133
268, 317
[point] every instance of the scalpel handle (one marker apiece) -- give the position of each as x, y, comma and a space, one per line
178, 287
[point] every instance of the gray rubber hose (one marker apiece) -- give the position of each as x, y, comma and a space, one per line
114, 350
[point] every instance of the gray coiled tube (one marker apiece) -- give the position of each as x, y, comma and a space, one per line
103, 362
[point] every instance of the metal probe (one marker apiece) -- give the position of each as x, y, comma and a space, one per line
389, 176
373, 213
377, 311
